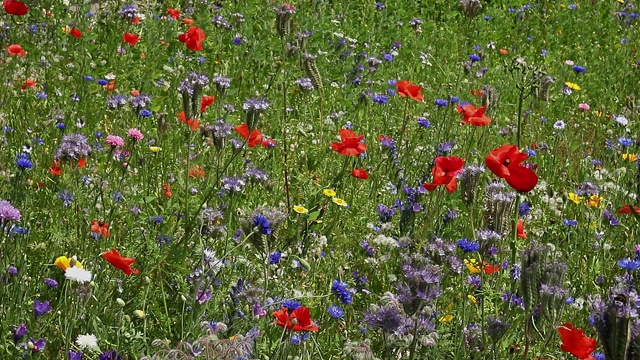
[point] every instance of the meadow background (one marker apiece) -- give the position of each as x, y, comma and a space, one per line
235, 234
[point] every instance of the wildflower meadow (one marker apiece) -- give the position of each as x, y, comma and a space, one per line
435, 179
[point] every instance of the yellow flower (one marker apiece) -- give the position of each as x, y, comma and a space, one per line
64, 262
300, 209
594, 200
630, 157
472, 265
446, 318
329, 192
155, 149
139, 313
472, 298
66, 29
575, 198
339, 201
573, 86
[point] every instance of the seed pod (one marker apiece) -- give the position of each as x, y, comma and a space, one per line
311, 68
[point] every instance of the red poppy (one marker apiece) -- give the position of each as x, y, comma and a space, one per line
15, 49
254, 139
626, 209
135, 20
193, 124
490, 269
360, 174
505, 163
166, 189
130, 38
135, 92
17, 8
575, 342
406, 88
350, 144
100, 228
445, 172
520, 229
197, 172
121, 263
55, 168
474, 116
28, 84
188, 21
174, 13
193, 38
476, 92
110, 86
75, 33
81, 163
207, 101
296, 320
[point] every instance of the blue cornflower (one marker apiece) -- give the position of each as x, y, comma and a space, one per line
454, 99
441, 102
274, 257
335, 312
145, 113
570, 222
237, 40
88, 77
487, 17
424, 122
23, 162
544, 52
66, 196
380, 99
60, 126
579, 69
297, 339
290, 304
468, 246
117, 196
263, 224
629, 264
524, 209
340, 289
530, 152
102, 82
625, 141
474, 57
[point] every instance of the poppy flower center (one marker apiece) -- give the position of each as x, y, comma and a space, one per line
506, 162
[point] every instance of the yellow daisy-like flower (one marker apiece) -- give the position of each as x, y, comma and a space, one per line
446, 318
64, 263
329, 192
300, 209
66, 29
594, 200
472, 265
573, 86
575, 198
472, 298
155, 149
630, 157
339, 201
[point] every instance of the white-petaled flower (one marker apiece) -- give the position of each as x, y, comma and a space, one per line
87, 342
78, 275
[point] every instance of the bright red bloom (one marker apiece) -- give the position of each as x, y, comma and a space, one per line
55, 168
296, 320
445, 172
490, 269
350, 145
130, 38
17, 8
28, 83
76, 33
626, 209
474, 116
15, 49
207, 101
135, 20
101, 228
197, 172
360, 174
174, 13
575, 342
406, 88
520, 229
193, 38
166, 189
505, 163
254, 139
121, 263
110, 86
81, 163
193, 124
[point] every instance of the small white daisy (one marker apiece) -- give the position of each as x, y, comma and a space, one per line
78, 275
87, 342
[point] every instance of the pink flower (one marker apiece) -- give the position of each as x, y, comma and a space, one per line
584, 107
115, 140
568, 62
135, 134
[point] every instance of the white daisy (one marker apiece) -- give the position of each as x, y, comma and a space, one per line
78, 275
87, 342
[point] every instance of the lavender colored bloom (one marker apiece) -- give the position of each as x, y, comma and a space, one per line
335, 312
587, 188
73, 147
569, 222
256, 105
51, 283
256, 175
66, 196
202, 296
140, 101
385, 318
340, 289
385, 213
128, 12
117, 101
38, 345
19, 332
496, 328
8, 212
233, 184
75, 355
12, 270
110, 355
370, 250
41, 308
305, 84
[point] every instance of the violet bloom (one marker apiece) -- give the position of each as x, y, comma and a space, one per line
110, 355
41, 308
203, 296
8, 212
36, 345
19, 332
73, 147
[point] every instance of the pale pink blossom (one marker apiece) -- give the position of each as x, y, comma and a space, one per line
135, 134
584, 107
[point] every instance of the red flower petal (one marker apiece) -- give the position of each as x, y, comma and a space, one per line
121, 263
360, 174
17, 8
407, 89
575, 342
